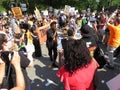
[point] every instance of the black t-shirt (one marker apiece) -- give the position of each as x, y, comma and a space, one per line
90, 41
50, 34
50, 42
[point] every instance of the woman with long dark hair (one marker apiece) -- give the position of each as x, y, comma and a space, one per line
79, 67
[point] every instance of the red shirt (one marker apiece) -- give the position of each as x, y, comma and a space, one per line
81, 79
102, 22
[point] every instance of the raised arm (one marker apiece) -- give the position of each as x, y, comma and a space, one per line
44, 27
20, 82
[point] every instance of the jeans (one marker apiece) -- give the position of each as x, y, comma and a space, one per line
110, 51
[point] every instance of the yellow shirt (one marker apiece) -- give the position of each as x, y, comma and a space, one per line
29, 37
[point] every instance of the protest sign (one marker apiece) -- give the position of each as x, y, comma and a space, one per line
45, 13
56, 11
17, 12
76, 12
23, 7
66, 10
72, 11
83, 11
37, 14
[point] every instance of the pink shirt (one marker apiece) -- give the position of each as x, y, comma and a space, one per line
81, 79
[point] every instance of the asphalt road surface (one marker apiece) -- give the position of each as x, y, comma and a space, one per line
44, 78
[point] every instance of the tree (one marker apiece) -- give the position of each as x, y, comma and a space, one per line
79, 4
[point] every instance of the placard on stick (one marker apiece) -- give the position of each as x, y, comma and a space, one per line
17, 12
37, 13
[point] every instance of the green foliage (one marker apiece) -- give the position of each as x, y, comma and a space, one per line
6, 4
116, 3
40, 4
1, 7
79, 4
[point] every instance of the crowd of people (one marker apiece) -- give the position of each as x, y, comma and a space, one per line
73, 38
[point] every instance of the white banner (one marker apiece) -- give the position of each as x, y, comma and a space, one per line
37, 13
72, 11
45, 13
66, 10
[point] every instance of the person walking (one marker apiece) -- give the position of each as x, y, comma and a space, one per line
51, 43
114, 39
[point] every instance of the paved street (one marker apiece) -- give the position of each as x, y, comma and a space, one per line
44, 78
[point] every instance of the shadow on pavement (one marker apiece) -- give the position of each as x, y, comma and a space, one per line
104, 75
44, 78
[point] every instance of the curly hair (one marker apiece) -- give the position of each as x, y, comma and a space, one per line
76, 54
